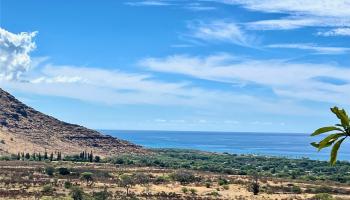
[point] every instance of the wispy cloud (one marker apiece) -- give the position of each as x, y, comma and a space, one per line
281, 24
300, 13
148, 3
196, 6
335, 32
312, 47
304, 81
219, 31
14, 53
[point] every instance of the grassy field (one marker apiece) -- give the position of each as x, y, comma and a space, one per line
128, 177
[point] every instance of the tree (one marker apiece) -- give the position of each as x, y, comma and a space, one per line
51, 156
91, 157
39, 157
339, 133
34, 156
27, 156
49, 170
126, 181
59, 156
97, 159
18, 156
63, 171
87, 176
45, 155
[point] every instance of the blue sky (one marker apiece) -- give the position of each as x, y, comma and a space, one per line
213, 65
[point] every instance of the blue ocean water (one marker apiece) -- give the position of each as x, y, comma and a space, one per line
293, 145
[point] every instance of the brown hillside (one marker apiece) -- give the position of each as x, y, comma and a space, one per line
24, 129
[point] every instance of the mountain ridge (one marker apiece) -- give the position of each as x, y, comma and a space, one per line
24, 129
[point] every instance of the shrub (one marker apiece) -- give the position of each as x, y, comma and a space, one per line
207, 184
102, 195
322, 196
254, 186
193, 191
49, 170
67, 184
47, 190
97, 159
184, 190
126, 181
183, 177
87, 176
77, 193
161, 179
63, 171
323, 189
141, 178
223, 181
214, 193
226, 187
296, 189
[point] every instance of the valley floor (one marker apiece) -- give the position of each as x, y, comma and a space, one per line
65, 179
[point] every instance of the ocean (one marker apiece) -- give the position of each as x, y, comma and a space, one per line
291, 145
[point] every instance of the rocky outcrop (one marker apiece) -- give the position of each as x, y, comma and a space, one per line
30, 130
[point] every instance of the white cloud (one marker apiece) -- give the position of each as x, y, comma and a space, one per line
303, 81
148, 3
14, 53
281, 24
196, 6
300, 13
313, 47
221, 31
335, 32
329, 8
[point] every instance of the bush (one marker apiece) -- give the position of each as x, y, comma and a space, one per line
226, 187
207, 184
161, 179
322, 196
214, 193
49, 170
102, 195
184, 190
323, 189
67, 184
87, 176
254, 186
193, 191
223, 181
77, 193
183, 177
63, 171
296, 189
47, 190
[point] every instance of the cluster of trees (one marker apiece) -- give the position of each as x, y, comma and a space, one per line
304, 169
39, 157
83, 156
53, 156
86, 156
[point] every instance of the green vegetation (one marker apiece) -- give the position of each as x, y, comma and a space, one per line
339, 133
87, 177
304, 169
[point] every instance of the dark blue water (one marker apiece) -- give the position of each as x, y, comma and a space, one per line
294, 145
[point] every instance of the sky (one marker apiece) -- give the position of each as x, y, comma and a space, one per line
199, 65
